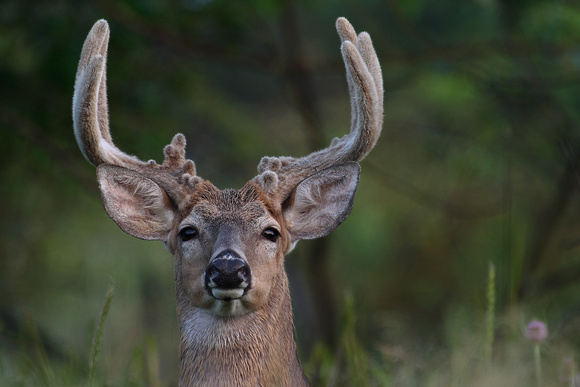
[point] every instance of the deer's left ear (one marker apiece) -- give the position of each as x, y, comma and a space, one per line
320, 203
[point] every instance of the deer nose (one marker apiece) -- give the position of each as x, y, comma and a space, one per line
227, 271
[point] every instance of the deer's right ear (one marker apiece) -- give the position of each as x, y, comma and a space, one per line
137, 204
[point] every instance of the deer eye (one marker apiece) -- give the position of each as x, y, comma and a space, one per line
188, 233
271, 234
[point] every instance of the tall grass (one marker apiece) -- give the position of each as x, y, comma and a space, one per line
33, 365
96, 348
490, 314
500, 354
503, 355
46, 372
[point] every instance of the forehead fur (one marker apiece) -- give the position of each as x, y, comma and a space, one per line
249, 201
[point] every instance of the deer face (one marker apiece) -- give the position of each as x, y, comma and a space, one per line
231, 248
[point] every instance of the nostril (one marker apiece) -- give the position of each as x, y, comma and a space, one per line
227, 273
228, 265
244, 272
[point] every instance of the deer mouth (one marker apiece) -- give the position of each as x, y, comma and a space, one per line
227, 294
227, 277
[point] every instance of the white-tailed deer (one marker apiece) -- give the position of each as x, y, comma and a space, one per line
233, 299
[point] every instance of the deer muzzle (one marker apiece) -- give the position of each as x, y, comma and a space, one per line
228, 276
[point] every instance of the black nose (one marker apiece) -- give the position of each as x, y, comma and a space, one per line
227, 271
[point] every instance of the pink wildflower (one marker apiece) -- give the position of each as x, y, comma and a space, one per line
536, 331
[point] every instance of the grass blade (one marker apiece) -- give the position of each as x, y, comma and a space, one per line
96, 350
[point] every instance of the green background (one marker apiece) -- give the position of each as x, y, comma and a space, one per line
477, 167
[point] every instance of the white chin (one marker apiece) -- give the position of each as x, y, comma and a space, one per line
231, 308
228, 302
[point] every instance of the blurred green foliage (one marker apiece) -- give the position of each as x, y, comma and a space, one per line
478, 163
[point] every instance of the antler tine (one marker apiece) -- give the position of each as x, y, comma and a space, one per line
365, 84
97, 44
365, 47
347, 33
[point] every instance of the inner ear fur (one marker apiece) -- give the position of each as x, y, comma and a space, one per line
136, 203
321, 202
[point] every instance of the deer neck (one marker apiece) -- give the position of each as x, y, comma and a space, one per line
249, 350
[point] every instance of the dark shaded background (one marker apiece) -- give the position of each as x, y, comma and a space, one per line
478, 163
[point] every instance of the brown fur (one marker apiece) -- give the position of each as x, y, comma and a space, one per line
249, 350
256, 349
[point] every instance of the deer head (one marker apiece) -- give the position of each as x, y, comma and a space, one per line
229, 245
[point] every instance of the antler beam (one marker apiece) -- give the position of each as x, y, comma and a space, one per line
279, 175
90, 110
91, 121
